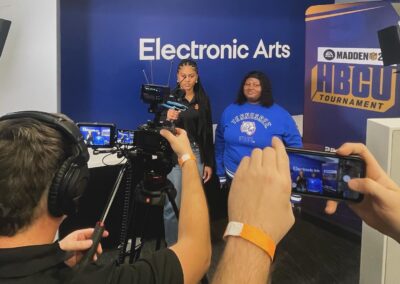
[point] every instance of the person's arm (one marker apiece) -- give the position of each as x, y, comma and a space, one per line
219, 150
380, 207
194, 245
259, 197
292, 137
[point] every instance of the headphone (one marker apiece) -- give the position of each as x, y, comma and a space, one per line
71, 178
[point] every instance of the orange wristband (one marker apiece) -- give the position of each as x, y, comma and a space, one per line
253, 235
184, 158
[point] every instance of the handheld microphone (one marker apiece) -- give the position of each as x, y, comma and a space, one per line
178, 94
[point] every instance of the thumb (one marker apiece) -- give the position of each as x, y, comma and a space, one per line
166, 134
330, 207
82, 245
365, 186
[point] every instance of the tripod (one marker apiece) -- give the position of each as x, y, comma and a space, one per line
151, 190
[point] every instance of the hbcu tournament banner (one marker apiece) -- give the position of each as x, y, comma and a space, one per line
345, 81
108, 46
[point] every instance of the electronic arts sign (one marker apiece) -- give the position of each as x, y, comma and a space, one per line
345, 80
110, 49
155, 49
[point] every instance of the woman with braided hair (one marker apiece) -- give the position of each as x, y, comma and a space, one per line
197, 122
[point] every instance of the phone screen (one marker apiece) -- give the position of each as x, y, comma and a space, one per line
324, 175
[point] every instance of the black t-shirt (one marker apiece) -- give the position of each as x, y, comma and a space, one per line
45, 264
190, 121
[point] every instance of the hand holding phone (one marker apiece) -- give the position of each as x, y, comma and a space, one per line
324, 174
380, 207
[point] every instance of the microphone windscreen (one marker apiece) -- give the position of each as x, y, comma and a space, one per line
179, 94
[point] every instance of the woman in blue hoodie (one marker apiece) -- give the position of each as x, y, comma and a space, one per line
251, 122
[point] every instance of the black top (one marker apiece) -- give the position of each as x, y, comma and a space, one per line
45, 264
201, 134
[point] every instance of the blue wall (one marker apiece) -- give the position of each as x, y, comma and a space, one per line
101, 71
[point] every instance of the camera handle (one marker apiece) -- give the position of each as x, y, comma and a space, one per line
99, 229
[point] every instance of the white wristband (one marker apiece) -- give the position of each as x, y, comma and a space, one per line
186, 157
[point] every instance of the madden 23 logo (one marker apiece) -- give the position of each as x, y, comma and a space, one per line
365, 56
366, 87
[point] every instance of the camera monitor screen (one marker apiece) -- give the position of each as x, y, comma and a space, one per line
154, 93
324, 175
125, 137
97, 135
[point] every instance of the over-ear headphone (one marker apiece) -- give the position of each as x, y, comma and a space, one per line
71, 179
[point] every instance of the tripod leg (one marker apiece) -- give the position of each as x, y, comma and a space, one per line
158, 244
173, 203
136, 249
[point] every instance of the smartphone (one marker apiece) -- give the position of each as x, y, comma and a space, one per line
324, 174
125, 137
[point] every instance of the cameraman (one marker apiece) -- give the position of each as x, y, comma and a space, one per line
31, 152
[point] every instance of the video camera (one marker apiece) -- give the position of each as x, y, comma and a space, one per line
160, 97
146, 137
149, 158
106, 135
144, 148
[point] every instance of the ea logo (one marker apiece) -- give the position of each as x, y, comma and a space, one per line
329, 54
373, 56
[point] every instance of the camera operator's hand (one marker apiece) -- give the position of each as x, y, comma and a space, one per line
78, 242
179, 142
380, 207
260, 191
173, 114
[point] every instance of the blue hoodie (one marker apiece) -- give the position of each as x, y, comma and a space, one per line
245, 127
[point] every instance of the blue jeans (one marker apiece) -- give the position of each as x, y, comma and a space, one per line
170, 221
